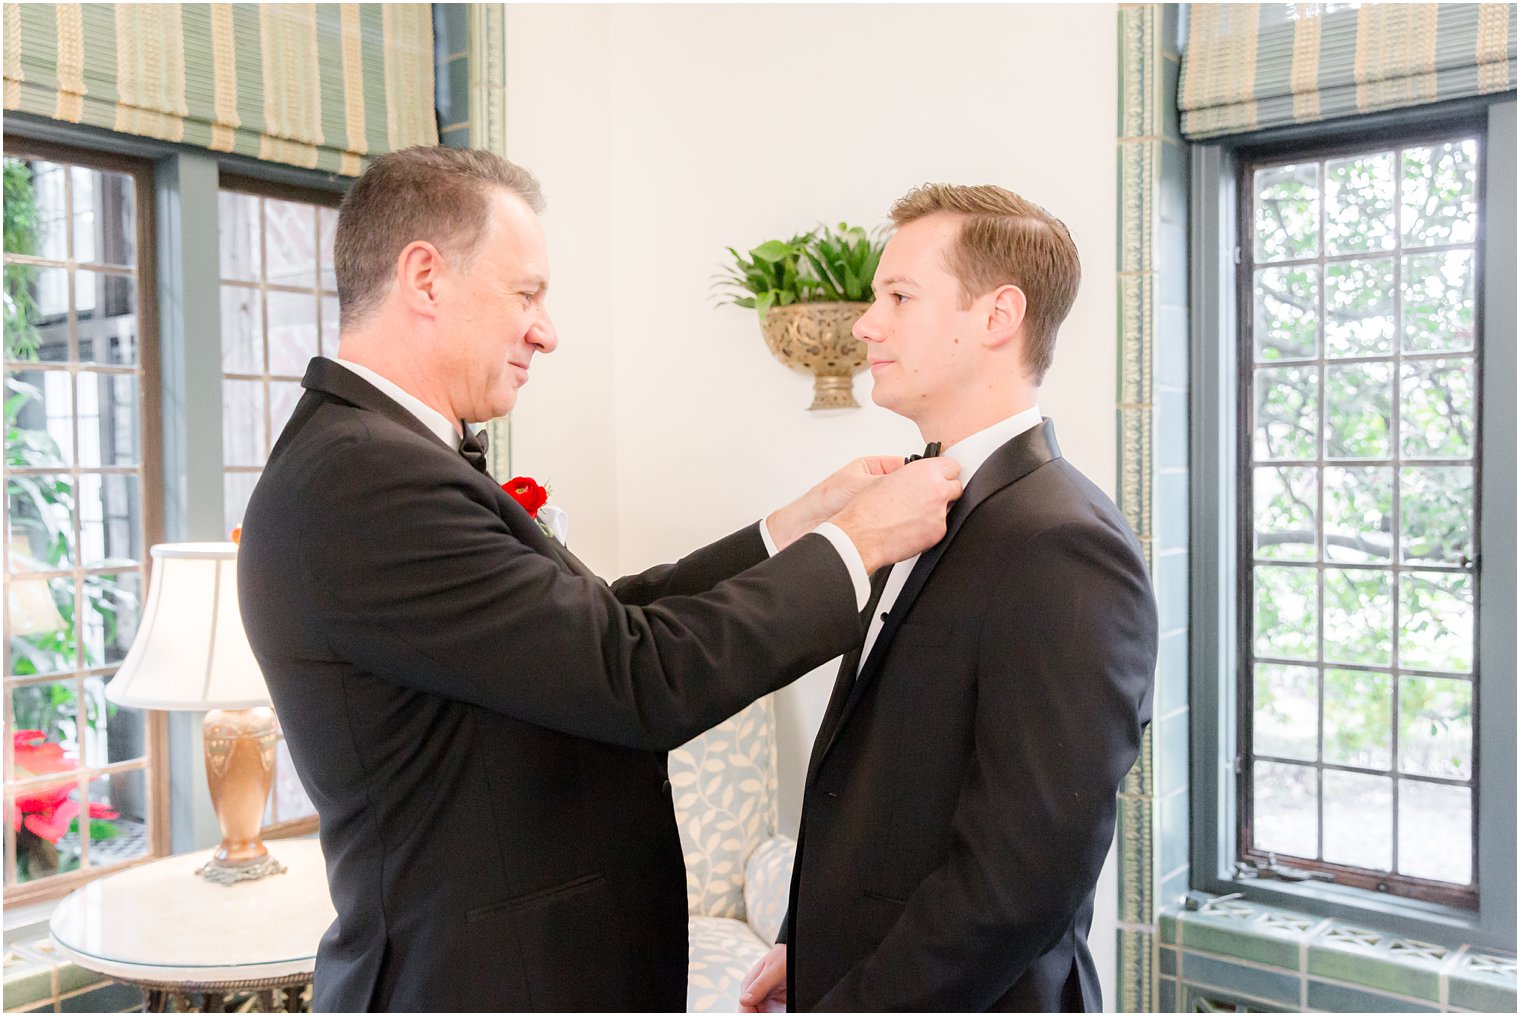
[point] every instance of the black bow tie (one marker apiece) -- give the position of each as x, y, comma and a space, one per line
474, 446
930, 452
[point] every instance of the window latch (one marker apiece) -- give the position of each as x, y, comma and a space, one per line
1271, 869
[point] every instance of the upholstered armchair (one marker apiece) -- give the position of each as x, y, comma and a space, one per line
738, 871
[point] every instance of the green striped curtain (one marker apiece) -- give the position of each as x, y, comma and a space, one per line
322, 86
1252, 66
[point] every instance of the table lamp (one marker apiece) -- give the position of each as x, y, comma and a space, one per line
191, 654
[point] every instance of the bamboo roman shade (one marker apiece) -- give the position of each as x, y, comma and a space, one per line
315, 85
1251, 66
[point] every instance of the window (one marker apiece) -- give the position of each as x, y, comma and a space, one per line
279, 308
84, 783
1360, 353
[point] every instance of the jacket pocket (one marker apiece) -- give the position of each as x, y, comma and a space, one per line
570, 888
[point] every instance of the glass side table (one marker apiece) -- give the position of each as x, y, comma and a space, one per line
188, 943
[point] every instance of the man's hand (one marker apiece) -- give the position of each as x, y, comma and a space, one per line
828, 498
903, 514
764, 987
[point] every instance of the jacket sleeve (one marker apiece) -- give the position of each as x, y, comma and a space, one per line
697, 572
415, 578
1064, 669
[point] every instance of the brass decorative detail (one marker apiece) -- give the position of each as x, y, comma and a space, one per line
815, 337
240, 769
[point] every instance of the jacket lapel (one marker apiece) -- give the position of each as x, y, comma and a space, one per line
1009, 464
336, 381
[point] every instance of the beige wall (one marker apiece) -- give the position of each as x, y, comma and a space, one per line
663, 134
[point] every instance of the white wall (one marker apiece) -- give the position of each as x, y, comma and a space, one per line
664, 134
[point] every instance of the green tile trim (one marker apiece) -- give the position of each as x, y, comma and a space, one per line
28, 979
1381, 962
1479, 996
1326, 996
1247, 941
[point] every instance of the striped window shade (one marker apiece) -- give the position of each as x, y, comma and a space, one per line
316, 85
1247, 67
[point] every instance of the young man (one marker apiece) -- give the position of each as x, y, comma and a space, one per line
960, 799
480, 721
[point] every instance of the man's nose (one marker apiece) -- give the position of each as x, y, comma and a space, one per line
865, 326
543, 336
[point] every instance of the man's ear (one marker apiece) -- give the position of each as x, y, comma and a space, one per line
1005, 315
419, 268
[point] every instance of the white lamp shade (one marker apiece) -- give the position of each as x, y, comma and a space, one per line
191, 652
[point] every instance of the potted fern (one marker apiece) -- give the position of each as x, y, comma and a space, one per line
808, 292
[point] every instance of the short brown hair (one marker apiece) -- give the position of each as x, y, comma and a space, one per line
1006, 240
441, 195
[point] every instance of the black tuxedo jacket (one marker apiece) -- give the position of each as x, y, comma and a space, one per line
482, 723
961, 796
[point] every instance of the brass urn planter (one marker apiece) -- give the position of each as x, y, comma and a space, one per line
815, 337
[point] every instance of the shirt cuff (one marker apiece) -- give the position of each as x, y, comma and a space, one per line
851, 557
770, 544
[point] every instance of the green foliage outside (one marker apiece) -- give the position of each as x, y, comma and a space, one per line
1370, 419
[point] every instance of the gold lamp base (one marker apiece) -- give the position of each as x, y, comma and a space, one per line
240, 769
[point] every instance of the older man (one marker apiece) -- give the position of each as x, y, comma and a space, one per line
961, 794
479, 720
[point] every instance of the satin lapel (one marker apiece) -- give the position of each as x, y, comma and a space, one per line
333, 379
330, 378
1009, 464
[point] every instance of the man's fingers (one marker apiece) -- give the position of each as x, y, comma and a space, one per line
881, 465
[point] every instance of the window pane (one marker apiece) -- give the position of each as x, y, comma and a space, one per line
1287, 413
243, 423
42, 627
1359, 820
1439, 413
329, 326
1287, 809
105, 217
109, 415
1435, 727
1359, 718
1287, 712
290, 244
237, 488
237, 228
1287, 212
327, 224
1359, 204
1435, 831
112, 733
288, 801
1358, 514
107, 318
40, 406
1359, 411
52, 710
1438, 302
1287, 313
242, 331
1285, 515
283, 396
118, 818
1436, 621
1358, 616
1439, 203
37, 320
110, 518
1287, 613
1436, 513
111, 609
38, 215
292, 332
46, 812
1359, 307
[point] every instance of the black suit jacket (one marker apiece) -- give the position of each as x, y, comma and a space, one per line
481, 722
961, 796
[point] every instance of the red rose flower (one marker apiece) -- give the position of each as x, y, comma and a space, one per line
46, 812
526, 492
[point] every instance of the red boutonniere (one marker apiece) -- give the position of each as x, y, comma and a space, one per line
526, 491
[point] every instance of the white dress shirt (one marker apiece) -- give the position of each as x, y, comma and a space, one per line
970, 452
448, 432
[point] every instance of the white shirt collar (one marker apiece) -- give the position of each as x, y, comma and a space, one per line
972, 451
446, 429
